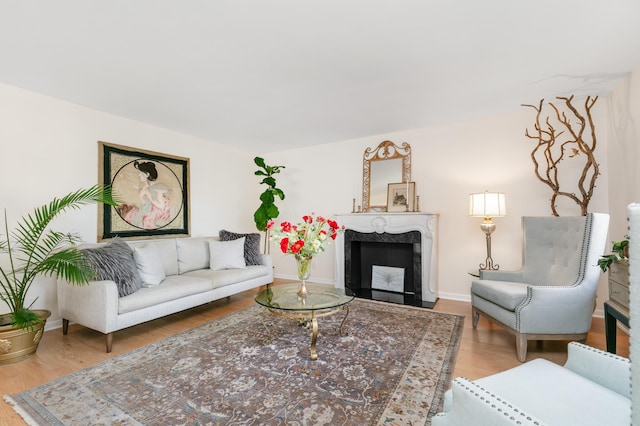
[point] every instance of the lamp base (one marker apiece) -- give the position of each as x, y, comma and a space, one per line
488, 226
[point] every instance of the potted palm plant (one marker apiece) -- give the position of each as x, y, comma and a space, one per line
29, 250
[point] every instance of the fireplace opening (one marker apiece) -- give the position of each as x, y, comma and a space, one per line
384, 266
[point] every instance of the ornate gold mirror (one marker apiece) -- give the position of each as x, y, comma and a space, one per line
386, 164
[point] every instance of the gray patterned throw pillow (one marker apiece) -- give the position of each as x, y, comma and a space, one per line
252, 255
114, 262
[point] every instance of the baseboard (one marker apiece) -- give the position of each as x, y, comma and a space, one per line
455, 296
52, 325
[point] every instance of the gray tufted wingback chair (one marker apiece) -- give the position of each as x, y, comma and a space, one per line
553, 296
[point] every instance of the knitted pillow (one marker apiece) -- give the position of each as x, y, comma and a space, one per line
252, 254
114, 261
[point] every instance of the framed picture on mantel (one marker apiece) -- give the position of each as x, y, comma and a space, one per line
401, 196
152, 190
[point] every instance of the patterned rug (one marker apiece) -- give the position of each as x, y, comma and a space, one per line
253, 368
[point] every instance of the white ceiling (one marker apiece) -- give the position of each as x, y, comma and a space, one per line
277, 74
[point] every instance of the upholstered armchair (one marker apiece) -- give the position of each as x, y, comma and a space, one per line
593, 388
553, 296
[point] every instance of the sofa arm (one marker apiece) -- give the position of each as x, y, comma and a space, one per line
606, 369
473, 405
267, 260
94, 305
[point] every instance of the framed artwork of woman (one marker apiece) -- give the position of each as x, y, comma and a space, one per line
152, 189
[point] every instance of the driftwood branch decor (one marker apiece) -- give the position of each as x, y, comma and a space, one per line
565, 133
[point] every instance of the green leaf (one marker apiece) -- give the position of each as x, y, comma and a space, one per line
279, 193
269, 181
24, 318
272, 211
267, 197
259, 162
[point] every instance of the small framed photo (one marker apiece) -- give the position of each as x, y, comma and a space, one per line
401, 197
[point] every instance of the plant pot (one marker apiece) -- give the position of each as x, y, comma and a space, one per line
17, 344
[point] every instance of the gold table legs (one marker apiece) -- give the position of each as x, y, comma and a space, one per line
312, 322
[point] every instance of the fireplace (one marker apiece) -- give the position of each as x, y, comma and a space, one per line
384, 266
389, 257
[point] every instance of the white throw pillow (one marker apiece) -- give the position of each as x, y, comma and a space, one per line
149, 263
227, 254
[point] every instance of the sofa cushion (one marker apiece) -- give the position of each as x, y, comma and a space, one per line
193, 253
230, 276
252, 255
114, 261
149, 264
168, 252
503, 293
172, 288
226, 254
558, 396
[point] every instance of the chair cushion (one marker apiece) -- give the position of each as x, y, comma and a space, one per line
503, 293
558, 396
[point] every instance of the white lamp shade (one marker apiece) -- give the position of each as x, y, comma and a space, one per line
487, 204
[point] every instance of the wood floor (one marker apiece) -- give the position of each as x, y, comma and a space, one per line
483, 351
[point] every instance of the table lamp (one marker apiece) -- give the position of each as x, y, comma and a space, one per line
487, 205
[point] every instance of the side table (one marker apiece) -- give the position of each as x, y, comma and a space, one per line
613, 313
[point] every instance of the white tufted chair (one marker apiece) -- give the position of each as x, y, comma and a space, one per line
553, 296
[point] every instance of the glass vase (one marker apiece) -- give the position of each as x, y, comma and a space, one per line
304, 271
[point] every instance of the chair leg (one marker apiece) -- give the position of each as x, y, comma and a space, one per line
65, 326
521, 346
475, 316
109, 337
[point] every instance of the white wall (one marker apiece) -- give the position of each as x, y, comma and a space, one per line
448, 163
624, 151
49, 148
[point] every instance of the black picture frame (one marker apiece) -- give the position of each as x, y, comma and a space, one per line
152, 190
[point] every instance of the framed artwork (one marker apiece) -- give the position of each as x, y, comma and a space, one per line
152, 190
401, 197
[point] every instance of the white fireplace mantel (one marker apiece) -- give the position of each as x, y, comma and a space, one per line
395, 223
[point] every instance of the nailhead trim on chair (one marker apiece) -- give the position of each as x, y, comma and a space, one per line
476, 391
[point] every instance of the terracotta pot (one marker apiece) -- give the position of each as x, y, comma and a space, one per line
17, 344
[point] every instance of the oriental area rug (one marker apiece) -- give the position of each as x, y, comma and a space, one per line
253, 368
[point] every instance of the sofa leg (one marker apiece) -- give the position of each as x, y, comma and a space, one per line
475, 316
521, 346
109, 337
65, 326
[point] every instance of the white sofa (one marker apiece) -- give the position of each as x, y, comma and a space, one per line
593, 388
186, 280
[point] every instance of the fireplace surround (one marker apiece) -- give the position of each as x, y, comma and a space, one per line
401, 245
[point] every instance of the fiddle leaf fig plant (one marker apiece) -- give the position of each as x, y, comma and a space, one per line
619, 251
32, 249
267, 209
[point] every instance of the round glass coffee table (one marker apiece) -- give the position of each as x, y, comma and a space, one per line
321, 301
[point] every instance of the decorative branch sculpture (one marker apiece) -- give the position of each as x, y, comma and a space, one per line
579, 138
